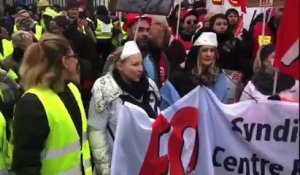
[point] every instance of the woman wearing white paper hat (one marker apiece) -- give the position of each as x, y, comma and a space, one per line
204, 71
127, 82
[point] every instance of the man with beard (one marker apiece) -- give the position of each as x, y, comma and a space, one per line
24, 22
142, 32
169, 52
142, 40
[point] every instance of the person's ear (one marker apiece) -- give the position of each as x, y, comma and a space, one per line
129, 33
64, 62
119, 65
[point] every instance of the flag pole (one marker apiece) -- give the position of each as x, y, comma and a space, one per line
275, 81
263, 43
178, 20
264, 25
269, 17
120, 24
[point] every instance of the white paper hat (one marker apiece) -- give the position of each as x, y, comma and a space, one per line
130, 48
207, 39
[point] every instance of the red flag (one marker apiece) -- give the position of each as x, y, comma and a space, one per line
238, 31
287, 51
243, 4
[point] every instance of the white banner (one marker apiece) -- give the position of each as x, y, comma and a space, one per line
199, 135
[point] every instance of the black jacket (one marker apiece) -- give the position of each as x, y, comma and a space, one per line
86, 50
183, 81
234, 55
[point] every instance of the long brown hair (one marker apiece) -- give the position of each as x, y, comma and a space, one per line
42, 63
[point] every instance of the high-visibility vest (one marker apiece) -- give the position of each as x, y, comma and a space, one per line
8, 49
3, 145
103, 31
38, 31
12, 74
124, 33
49, 12
62, 151
122, 36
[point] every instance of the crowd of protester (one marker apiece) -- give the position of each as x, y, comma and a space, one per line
66, 72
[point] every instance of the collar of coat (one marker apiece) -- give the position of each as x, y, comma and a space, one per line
105, 91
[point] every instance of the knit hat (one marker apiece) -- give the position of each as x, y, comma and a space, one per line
43, 3
133, 17
130, 48
207, 39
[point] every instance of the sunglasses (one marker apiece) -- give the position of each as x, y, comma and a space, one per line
189, 22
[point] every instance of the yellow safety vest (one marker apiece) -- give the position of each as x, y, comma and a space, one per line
103, 31
38, 31
124, 33
12, 75
3, 145
8, 49
62, 151
49, 12
116, 40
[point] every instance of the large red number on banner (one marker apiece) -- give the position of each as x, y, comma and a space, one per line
234, 3
153, 164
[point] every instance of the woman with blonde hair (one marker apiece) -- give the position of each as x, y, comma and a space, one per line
49, 125
260, 87
205, 71
125, 83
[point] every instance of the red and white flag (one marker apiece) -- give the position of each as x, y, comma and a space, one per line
287, 51
240, 26
199, 135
